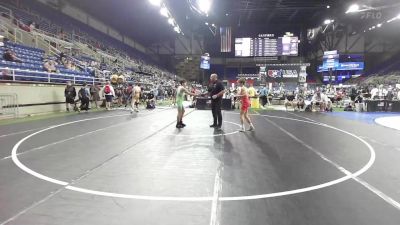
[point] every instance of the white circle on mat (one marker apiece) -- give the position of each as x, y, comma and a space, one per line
69, 186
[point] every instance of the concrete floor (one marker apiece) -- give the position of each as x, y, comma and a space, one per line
116, 168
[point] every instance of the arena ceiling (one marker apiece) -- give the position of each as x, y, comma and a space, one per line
143, 22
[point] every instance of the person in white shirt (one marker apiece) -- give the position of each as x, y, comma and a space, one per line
398, 94
108, 93
374, 92
319, 99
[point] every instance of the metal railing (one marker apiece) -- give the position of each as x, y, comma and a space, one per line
8, 105
6, 11
17, 75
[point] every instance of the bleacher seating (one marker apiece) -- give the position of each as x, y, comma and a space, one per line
31, 68
53, 22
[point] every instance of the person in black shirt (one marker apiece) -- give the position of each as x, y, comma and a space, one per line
70, 94
10, 55
216, 91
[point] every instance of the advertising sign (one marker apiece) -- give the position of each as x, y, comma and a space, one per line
205, 62
283, 73
303, 74
344, 66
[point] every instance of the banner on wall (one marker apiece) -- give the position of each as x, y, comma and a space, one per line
344, 66
248, 76
283, 73
303, 74
289, 72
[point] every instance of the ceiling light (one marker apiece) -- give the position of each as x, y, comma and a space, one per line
155, 2
206, 23
328, 6
327, 22
373, 27
204, 5
176, 29
379, 25
171, 21
164, 11
213, 25
353, 8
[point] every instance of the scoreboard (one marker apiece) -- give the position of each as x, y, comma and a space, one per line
266, 46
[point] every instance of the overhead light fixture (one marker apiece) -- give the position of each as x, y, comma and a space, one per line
213, 25
164, 11
328, 6
204, 5
379, 25
328, 21
206, 23
394, 18
155, 2
353, 8
171, 21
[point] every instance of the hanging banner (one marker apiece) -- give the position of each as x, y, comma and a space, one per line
303, 74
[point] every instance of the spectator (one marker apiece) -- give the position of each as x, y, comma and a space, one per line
69, 65
69, 94
10, 55
32, 26
300, 103
264, 96
61, 57
84, 97
398, 94
289, 100
119, 92
50, 66
318, 100
94, 93
108, 93
23, 26
252, 91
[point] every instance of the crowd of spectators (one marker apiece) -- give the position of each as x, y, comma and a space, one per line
319, 97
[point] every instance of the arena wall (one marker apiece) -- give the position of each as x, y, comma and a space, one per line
36, 98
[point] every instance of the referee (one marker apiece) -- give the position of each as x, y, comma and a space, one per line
216, 91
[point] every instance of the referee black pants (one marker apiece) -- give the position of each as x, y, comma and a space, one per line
216, 112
